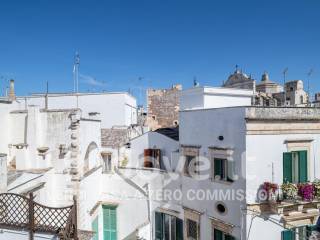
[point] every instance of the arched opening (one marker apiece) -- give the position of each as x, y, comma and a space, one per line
91, 157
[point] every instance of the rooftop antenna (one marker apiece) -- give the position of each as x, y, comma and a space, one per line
140, 88
237, 67
46, 97
308, 82
76, 73
285, 71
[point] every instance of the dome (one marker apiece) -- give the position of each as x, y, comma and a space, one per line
237, 77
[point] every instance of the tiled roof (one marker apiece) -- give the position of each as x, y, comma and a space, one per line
169, 132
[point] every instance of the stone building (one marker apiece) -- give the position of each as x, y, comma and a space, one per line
316, 101
268, 86
267, 92
163, 107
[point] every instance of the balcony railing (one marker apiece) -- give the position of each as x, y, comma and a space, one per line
21, 213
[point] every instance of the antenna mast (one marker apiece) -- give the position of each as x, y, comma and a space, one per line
308, 82
285, 71
76, 73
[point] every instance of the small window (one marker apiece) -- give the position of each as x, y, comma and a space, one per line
152, 158
192, 230
153, 117
220, 169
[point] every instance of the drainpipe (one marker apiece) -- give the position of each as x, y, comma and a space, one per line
3, 173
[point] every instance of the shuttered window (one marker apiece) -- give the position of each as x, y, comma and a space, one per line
303, 166
222, 169
168, 227
295, 167
152, 158
95, 228
109, 222
288, 235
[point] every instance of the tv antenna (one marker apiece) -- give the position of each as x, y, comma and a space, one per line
285, 72
308, 82
76, 73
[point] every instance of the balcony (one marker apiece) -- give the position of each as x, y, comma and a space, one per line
293, 202
23, 214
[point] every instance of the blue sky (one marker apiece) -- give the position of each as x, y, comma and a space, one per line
164, 42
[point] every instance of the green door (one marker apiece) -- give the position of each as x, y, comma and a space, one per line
287, 235
95, 229
287, 167
303, 166
109, 222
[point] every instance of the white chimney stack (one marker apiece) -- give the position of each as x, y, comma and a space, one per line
3, 173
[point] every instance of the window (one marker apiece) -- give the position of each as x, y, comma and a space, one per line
109, 222
192, 230
107, 162
189, 165
298, 233
219, 235
168, 227
295, 167
220, 169
152, 158
95, 228
301, 99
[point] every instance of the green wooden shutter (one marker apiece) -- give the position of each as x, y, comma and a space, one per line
179, 229
218, 235
287, 235
303, 166
287, 167
159, 226
95, 228
109, 223
217, 168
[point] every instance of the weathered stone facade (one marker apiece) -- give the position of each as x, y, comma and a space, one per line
163, 107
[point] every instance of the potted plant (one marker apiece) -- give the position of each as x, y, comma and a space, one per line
289, 191
306, 191
316, 186
271, 190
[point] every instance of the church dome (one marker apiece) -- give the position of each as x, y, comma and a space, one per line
237, 77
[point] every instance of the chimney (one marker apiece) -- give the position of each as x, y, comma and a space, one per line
3, 173
12, 95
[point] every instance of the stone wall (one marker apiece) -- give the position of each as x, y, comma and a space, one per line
163, 107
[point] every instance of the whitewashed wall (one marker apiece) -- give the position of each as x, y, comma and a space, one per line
203, 127
263, 150
214, 97
152, 140
116, 109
